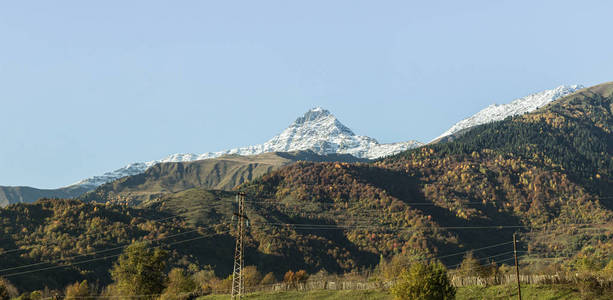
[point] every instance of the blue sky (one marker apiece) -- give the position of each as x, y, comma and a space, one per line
87, 87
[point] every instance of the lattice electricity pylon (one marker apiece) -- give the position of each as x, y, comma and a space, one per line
238, 281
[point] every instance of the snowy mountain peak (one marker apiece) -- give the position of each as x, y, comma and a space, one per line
519, 106
314, 114
317, 130
321, 119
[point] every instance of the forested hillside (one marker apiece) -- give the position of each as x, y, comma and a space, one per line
41, 241
545, 175
55, 242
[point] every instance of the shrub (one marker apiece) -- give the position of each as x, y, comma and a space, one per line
268, 279
424, 282
293, 278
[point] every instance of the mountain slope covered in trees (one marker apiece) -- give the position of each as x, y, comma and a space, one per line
547, 172
545, 175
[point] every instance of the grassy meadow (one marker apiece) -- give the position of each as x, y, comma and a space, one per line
529, 292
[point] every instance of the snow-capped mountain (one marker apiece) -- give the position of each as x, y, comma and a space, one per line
318, 130
519, 106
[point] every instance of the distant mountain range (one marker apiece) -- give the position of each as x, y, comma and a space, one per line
317, 130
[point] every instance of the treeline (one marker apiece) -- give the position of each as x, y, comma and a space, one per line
145, 272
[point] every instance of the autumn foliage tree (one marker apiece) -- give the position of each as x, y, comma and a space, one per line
294, 278
78, 290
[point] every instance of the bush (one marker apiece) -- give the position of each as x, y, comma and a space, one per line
590, 287
294, 278
424, 282
268, 279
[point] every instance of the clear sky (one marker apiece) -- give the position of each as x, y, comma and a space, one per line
89, 86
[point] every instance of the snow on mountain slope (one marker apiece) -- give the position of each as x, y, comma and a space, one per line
517, 107
318, 130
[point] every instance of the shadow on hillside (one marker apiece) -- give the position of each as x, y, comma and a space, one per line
308, 246
472, 234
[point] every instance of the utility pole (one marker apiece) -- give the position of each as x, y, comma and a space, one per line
238, 281
516, 266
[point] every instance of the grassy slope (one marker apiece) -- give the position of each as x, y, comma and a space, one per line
223, 173
217, 173
25, 194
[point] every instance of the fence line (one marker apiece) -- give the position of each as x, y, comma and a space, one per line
457, 281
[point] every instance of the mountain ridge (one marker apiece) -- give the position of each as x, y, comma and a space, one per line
317, 130
498, 112
221, 173
26, 194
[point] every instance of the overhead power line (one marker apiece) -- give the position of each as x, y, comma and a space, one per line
103, 258
5, 251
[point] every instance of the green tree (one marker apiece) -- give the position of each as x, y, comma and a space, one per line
391, 269
77, 290
180, 285
139, 271
424, 282
470, 266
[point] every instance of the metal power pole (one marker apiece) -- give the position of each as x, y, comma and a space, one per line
238, 282
516, 266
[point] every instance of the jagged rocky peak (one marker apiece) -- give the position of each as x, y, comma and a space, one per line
317, 130
321, 118
313, 114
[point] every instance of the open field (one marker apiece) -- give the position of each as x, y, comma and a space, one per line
536, 292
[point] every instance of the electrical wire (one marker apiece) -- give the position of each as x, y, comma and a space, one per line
3, 251
104, 250
103, 258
